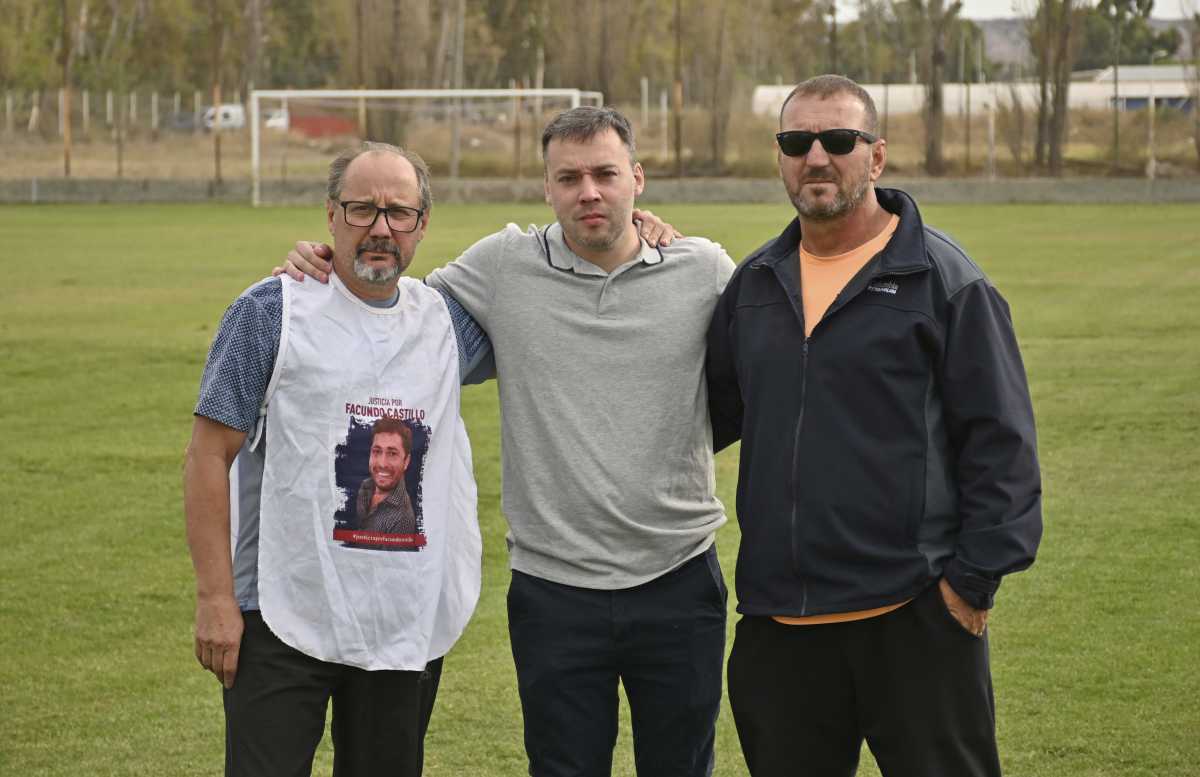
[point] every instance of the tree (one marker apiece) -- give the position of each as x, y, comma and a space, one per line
933, 18
722, 31
1122, 28
27, 34
1054, 35
1118, 32
305, 41
1118, 13
64, 55
1066, 43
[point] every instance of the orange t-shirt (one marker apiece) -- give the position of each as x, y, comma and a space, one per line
822, 278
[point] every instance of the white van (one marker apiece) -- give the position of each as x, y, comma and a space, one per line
277, 119
225, 116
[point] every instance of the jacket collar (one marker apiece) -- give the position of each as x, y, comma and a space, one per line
904, 253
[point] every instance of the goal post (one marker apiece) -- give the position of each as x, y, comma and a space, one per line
342, 113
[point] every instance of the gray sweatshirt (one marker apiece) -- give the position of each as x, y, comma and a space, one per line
606, 447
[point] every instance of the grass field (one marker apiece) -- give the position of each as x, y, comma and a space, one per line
105, 317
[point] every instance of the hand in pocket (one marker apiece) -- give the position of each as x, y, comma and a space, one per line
972, 620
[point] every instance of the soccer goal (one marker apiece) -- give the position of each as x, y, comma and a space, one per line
459, 132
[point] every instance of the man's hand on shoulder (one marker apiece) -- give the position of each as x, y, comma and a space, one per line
307, 259
219, 628
974, 621
654, 230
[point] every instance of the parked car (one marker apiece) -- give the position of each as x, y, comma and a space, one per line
277, 119
225, 116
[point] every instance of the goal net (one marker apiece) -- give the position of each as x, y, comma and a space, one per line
459, 132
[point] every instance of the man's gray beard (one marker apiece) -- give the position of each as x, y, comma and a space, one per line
376, 276
842, 203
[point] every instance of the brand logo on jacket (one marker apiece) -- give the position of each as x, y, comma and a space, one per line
884, 287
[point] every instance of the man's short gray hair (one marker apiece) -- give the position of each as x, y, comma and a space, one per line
337, 169
829, 85
584, 123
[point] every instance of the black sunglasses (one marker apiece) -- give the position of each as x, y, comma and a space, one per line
834, 141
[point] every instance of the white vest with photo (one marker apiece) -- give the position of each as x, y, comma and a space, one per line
342, 365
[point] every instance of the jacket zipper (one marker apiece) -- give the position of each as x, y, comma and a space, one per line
796, 479
795, 518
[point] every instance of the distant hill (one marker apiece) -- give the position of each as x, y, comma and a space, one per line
1006, 43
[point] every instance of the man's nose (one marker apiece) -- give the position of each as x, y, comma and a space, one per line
380, 228
817, 156
588, 191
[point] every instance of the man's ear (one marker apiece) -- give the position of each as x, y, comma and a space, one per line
878, 159
639, 179
330, 209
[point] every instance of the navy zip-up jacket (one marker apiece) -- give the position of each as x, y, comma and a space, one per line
893, 446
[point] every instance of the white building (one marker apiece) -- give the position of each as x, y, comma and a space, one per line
1172, 86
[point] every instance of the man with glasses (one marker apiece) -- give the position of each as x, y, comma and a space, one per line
888, 475
298, 375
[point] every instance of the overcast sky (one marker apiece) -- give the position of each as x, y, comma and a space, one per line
1002, 9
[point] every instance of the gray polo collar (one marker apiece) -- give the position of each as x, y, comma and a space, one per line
561, 257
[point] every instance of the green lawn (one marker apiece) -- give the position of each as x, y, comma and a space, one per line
105, 317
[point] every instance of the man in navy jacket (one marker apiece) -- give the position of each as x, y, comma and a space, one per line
889, 473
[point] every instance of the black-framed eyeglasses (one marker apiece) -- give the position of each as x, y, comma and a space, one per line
397, 217
834, 141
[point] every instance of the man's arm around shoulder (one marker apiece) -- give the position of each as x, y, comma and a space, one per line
472, 278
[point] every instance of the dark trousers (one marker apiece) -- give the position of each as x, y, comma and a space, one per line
275, 712
664, 641
913, 683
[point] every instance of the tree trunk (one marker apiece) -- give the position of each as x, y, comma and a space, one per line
935, 108
396, 120
1042, 53
677, 90
603, 64
441, 52
719, 115
217, 31
65, 55
1063, 57
254, 47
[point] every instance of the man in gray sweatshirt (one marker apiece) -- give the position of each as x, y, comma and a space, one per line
608, 480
